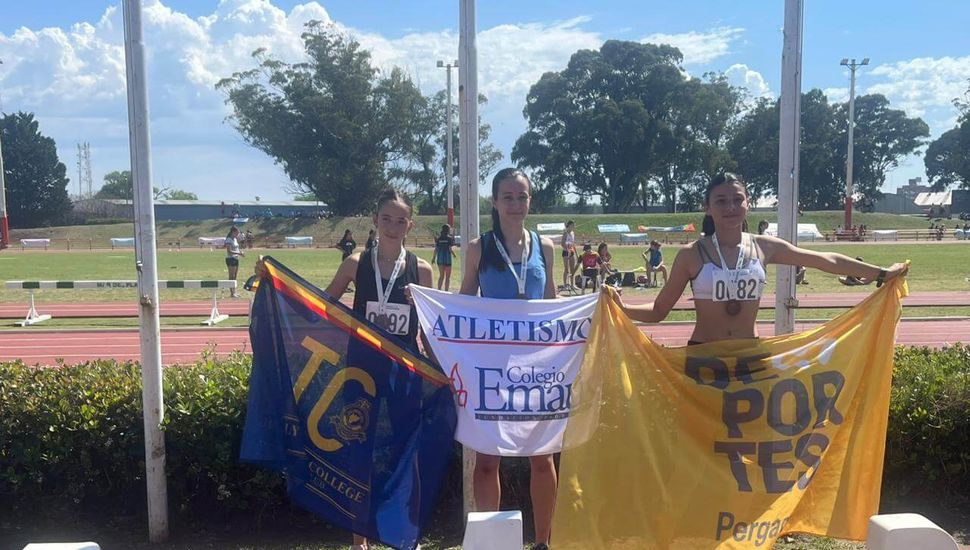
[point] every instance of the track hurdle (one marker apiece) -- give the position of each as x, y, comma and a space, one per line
34, 317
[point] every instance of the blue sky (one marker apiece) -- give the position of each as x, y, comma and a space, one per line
65, 63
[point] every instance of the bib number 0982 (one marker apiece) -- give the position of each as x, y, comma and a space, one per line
747, 289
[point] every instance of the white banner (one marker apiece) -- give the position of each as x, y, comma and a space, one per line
512, 364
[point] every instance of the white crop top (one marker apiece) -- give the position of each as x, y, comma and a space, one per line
703, 284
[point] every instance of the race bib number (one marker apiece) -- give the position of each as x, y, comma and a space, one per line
396, 317
736, 284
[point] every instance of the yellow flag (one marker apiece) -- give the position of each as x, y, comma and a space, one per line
728, 444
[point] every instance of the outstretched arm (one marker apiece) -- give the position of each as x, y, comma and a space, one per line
778, 251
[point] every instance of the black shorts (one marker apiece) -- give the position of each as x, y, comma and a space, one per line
591, 272
567, 253
232, 262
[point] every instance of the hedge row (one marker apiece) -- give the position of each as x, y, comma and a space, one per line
71, 437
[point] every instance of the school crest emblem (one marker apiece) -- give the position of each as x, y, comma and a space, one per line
352, 421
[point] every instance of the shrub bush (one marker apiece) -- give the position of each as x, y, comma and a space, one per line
928, 440
71, 438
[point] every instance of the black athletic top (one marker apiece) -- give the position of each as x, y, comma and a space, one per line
347, 247
366, 291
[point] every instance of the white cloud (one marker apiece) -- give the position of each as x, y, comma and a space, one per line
742, 75
922, 84
74, 79
836, 95
699, 47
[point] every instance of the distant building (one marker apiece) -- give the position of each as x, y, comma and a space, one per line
912, 188
186, 210
896, 203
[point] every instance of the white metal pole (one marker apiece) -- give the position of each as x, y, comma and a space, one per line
151, 351
849, 153
788, 147
468, 173
450, 177
4, 225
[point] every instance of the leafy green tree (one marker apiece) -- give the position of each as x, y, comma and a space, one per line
595, 127
819, 185
947, 159
36, 181
334, 123
423, 168
180, 195
883, 136
117, 185
753, 146
693, 147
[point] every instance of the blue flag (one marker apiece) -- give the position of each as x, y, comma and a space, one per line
361, 426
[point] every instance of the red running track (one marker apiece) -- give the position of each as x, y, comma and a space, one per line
240, 307
45, 347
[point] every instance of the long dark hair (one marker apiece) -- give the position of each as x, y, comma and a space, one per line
490, 255
233, 228
707, 226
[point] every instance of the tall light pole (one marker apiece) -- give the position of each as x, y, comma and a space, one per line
852, 65
450, 176
4, 225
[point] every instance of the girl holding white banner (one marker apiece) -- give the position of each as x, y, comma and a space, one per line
511, 262
726, 268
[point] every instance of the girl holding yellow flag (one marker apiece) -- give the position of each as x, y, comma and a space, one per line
726, 268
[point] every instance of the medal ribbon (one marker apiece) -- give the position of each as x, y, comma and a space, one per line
519, 277
384, 293
717, 247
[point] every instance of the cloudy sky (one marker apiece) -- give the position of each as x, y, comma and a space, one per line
64, 61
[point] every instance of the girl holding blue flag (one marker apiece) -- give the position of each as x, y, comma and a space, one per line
380, 275
726, 268
513, 263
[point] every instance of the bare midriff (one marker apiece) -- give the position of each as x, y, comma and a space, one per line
714, 323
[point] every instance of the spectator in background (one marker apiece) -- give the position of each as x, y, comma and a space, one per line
568, 244
249, 239
444, 251
346, 245
233, 253
655, 264
763, 226
591, 266
371, 240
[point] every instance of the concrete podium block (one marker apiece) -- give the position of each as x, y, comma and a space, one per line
62, 546
907, 532
493, 531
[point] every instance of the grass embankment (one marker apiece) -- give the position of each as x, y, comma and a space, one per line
329, 231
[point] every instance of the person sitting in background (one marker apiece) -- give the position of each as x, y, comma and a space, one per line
591, 268
655, 264
607, 274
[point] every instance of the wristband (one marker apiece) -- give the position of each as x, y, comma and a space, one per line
881, 278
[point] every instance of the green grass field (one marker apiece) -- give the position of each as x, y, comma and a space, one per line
326, 232
936, 266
